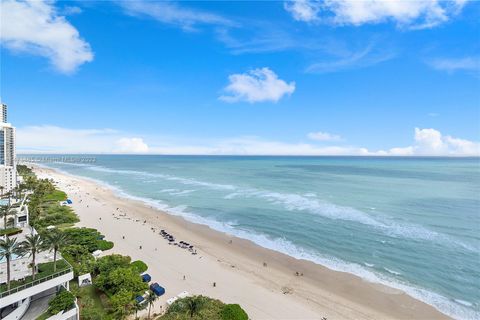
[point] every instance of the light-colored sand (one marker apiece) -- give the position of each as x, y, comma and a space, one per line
235, 265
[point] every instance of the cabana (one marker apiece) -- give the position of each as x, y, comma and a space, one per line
146, 277
157, 289
69, 201
183, 294
139, 299
84, 280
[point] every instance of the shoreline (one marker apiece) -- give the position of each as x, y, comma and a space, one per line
262, 281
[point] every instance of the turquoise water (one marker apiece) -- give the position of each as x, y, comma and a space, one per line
412, 223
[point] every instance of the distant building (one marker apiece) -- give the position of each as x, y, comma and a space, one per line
3, 112
8, 170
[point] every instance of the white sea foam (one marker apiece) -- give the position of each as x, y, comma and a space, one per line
306, 203
369, 264
459, 309
392, 271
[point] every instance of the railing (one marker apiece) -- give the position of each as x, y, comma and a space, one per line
35, 282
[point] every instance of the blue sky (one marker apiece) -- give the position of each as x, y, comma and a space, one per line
271, 77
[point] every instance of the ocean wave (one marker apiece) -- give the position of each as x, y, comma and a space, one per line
305, 203
396, 273
448, 306
187, 181
459, 309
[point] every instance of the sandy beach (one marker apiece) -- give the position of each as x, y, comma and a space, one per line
267, 284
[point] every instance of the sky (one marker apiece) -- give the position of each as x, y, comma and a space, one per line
331, 77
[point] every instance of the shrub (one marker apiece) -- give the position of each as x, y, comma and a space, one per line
62, 302
139, 266
87, 237
104, 245
10, 231
233, 312
105, 265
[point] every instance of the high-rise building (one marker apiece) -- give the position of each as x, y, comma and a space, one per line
8, 170
3, 112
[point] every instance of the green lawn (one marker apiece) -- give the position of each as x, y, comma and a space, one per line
91, 303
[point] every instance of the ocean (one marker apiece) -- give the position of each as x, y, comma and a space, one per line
410, 223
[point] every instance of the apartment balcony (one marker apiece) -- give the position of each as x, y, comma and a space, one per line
27, 287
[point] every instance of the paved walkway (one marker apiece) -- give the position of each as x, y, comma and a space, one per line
39, 304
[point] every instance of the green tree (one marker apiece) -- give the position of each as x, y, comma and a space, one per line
9, 248
120, 279
194, 304
56, 240
122, 303
150, 300
5, 212
32, 245
111, 262
137, 307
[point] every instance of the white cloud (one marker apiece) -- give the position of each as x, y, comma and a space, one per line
51, 139
323, 136
303, 10
360, 59
258, 85
411, 14
35, 27
131, 145
451, 65
171, 13
431, 142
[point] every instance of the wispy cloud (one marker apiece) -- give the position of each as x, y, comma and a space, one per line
258, 85
451, 65
406, 14
35, 27
171, 13
366, 57
52, 139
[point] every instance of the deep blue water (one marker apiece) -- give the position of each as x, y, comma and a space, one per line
412, 223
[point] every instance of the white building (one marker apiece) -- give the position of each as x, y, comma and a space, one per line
8, 170
28, 299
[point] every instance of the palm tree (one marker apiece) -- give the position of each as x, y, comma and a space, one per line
5, 212
56, 241
33, 244
150, 299
8, 248
193, 304
137, 307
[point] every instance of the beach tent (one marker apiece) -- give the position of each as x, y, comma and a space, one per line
157, 289
139, 299
69, 201
183, 294
146, 277
172, 300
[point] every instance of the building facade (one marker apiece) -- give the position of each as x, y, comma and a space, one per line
8, 170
